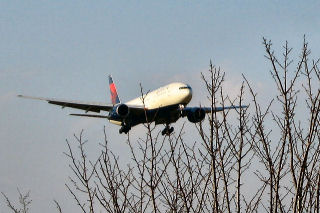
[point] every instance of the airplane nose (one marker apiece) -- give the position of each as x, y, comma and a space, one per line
185, 92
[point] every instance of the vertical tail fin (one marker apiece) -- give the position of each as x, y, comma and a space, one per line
113, 90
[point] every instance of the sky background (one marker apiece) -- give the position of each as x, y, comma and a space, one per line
66, 49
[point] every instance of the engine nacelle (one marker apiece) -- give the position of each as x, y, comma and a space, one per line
122, 110
196, 115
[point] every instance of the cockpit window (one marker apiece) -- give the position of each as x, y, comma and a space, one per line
185, 87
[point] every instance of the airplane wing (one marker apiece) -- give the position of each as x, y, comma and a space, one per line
197, 114
208, 109
218, 109
87, 106
90, 115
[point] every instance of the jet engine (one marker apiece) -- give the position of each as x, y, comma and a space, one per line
122, 110
196, 114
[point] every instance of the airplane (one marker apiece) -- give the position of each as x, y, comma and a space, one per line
164, 105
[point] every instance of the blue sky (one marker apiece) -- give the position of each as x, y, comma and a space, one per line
66, 49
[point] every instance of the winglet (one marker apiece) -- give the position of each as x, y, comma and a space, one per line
113, 90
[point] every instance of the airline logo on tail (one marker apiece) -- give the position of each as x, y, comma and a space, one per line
113, 90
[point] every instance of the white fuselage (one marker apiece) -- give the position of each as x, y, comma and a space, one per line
171, 94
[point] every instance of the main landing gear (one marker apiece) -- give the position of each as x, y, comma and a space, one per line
124, 129
167, 131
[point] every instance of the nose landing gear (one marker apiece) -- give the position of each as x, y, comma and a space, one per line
167, 130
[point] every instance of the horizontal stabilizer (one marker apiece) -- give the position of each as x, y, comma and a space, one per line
93, 116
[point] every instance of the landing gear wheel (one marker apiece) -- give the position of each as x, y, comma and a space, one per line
124, 129
167, 131
164, 131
